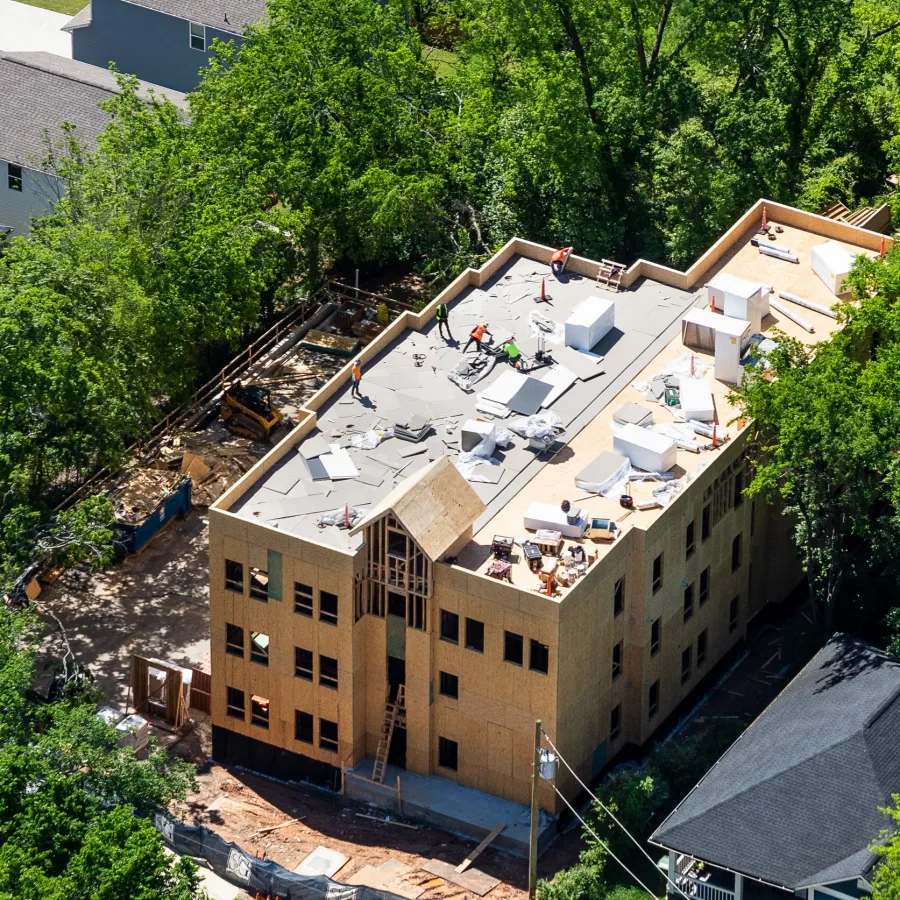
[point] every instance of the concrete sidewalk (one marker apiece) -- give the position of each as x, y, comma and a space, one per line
24, 27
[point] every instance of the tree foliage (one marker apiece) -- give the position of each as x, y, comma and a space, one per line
886, 882
827, 428
74, 805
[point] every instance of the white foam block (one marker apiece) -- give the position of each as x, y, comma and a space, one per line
338, 463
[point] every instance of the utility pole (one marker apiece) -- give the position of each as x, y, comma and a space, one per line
535, 812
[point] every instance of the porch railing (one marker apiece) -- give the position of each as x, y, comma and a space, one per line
687, 877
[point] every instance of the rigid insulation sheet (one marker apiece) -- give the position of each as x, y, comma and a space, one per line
696, 399
591, 320
832, 263
646, 449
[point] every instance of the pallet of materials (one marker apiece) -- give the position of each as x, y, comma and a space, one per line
338, 344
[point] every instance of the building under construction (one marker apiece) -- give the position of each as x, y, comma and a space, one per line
416, 574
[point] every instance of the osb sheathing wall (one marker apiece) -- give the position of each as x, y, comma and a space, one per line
305, 562
493, 719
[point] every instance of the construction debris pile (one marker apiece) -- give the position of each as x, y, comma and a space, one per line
141, 494
213, 462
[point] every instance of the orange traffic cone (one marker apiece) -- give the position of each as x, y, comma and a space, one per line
713, 307
765, 221
543, 289
715, 442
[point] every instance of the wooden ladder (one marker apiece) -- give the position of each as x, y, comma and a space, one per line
391, 714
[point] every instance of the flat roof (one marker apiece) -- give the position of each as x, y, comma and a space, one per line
410, 377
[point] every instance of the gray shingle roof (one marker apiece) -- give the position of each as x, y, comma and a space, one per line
794, 802
80, 19
226, 15
39, 91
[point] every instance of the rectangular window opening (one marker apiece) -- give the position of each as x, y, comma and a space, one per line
303, 599
653, 698
513, 648
197, 36
259, 585
539, 657
303, 663
619, 597
701, 648
449, 685
655, 630
449, 626
705, 523
475, 635
736, 551
448, 754
235, 702
689, 602
259, 711
657, 573
689, 544
615, 721
328, 735
328, 608
234, 640
234, 576
685, 664
617, 661
259, 648
704, 586
328, 671
14, 177
303, 727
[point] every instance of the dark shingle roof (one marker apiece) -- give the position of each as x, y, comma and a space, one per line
39, 91
794, 801
226, 15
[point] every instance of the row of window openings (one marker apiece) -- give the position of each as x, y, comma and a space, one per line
303, 659
690, 545
736, 559
513, 644
261, 589
303, 722
656, 626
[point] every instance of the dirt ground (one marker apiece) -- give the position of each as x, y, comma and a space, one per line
237, 805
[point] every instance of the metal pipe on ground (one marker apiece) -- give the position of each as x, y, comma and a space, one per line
815, 307
780, 307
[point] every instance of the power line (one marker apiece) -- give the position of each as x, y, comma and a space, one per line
605, 846
610, 813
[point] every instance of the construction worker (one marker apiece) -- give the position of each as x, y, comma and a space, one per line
476, 337
559, 259
443, 319
513, 354
356, 377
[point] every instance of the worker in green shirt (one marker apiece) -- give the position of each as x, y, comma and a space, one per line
513, 354
443, 319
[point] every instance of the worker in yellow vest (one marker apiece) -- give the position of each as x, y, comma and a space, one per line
443, 319
513, 353
355, 378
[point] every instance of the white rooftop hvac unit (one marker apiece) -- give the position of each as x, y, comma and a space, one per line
724, 336
591, 320
646, 449
739, 298
832, 263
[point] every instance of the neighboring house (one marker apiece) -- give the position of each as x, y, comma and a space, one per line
38, 93
315, 630
792, 806
162, 41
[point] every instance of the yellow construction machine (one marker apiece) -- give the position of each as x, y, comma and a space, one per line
247, 410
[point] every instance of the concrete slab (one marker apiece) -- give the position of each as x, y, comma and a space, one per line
28, 28
454, 808
322, 861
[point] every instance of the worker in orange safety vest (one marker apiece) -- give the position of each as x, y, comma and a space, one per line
558, 260
476, 337
355, 377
